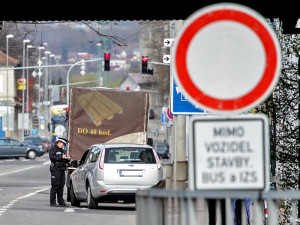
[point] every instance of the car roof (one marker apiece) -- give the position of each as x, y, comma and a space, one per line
115, 145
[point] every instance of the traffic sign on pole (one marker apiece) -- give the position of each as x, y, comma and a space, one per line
166, 58
180, 105
169, 114
229, 153
226, 58
168, 42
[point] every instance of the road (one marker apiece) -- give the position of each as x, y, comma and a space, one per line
24, 199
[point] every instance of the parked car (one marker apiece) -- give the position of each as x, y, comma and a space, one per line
162, 150
11, 148
46, 144
35, 140
113, 172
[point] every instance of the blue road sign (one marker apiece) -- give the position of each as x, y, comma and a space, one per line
164, 117
180, 104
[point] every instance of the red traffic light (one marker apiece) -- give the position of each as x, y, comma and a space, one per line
144, 58
106, 55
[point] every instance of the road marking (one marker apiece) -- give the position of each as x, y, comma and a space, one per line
4, 208
69, 210
3, 174
47, 162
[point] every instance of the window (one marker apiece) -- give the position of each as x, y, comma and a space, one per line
2, 142
129, 154
14, 142
93, 155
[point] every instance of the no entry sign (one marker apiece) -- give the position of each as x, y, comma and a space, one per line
226, 58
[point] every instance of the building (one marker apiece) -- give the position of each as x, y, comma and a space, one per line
8, 97
142, 82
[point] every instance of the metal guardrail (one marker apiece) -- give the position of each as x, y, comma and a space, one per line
182, 207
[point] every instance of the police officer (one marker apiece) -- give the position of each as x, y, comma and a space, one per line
59, 161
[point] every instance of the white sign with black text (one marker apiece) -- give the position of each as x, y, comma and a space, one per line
229, 153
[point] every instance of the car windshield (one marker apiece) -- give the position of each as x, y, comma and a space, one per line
129, 154
160, 147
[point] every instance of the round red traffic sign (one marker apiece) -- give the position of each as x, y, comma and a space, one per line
226, 58
169, 114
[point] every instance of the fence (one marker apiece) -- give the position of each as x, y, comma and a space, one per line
172, 207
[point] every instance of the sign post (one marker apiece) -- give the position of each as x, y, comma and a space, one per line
226, 60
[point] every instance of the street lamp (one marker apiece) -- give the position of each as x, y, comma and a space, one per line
27, 77
23, 97
47, 54
7, 37
82, 62
39, 74
77, 63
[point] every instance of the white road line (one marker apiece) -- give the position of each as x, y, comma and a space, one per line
16, 171
4, 208
69, 210
33, 193
47, 162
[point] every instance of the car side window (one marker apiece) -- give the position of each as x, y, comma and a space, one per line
2, 142
14, 142
93, 155
83, 158
96, 153
88, 158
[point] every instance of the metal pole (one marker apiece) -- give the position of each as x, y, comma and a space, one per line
39, 74
46, 87
7, 117
27, 78
23, 87
68, 74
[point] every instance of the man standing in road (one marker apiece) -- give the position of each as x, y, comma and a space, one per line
58, 167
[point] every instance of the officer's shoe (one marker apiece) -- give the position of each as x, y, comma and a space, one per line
53, 205
63, 205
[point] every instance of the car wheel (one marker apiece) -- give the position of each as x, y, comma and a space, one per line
74, 200
31, 154
91, 201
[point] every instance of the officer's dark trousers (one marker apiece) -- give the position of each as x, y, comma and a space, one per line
57, 187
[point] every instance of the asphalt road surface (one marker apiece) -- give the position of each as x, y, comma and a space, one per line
24, 199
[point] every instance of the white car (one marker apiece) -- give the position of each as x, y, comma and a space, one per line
113, 172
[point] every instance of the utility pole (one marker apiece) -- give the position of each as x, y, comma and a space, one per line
179, 143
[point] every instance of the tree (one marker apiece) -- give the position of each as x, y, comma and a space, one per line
282, 108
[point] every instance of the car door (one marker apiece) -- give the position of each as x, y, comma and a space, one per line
17, 148
78, 177
4, 148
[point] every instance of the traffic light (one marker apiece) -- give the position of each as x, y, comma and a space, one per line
67, 113
145, 64
106, 61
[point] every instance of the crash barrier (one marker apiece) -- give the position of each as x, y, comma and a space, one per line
182, 207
